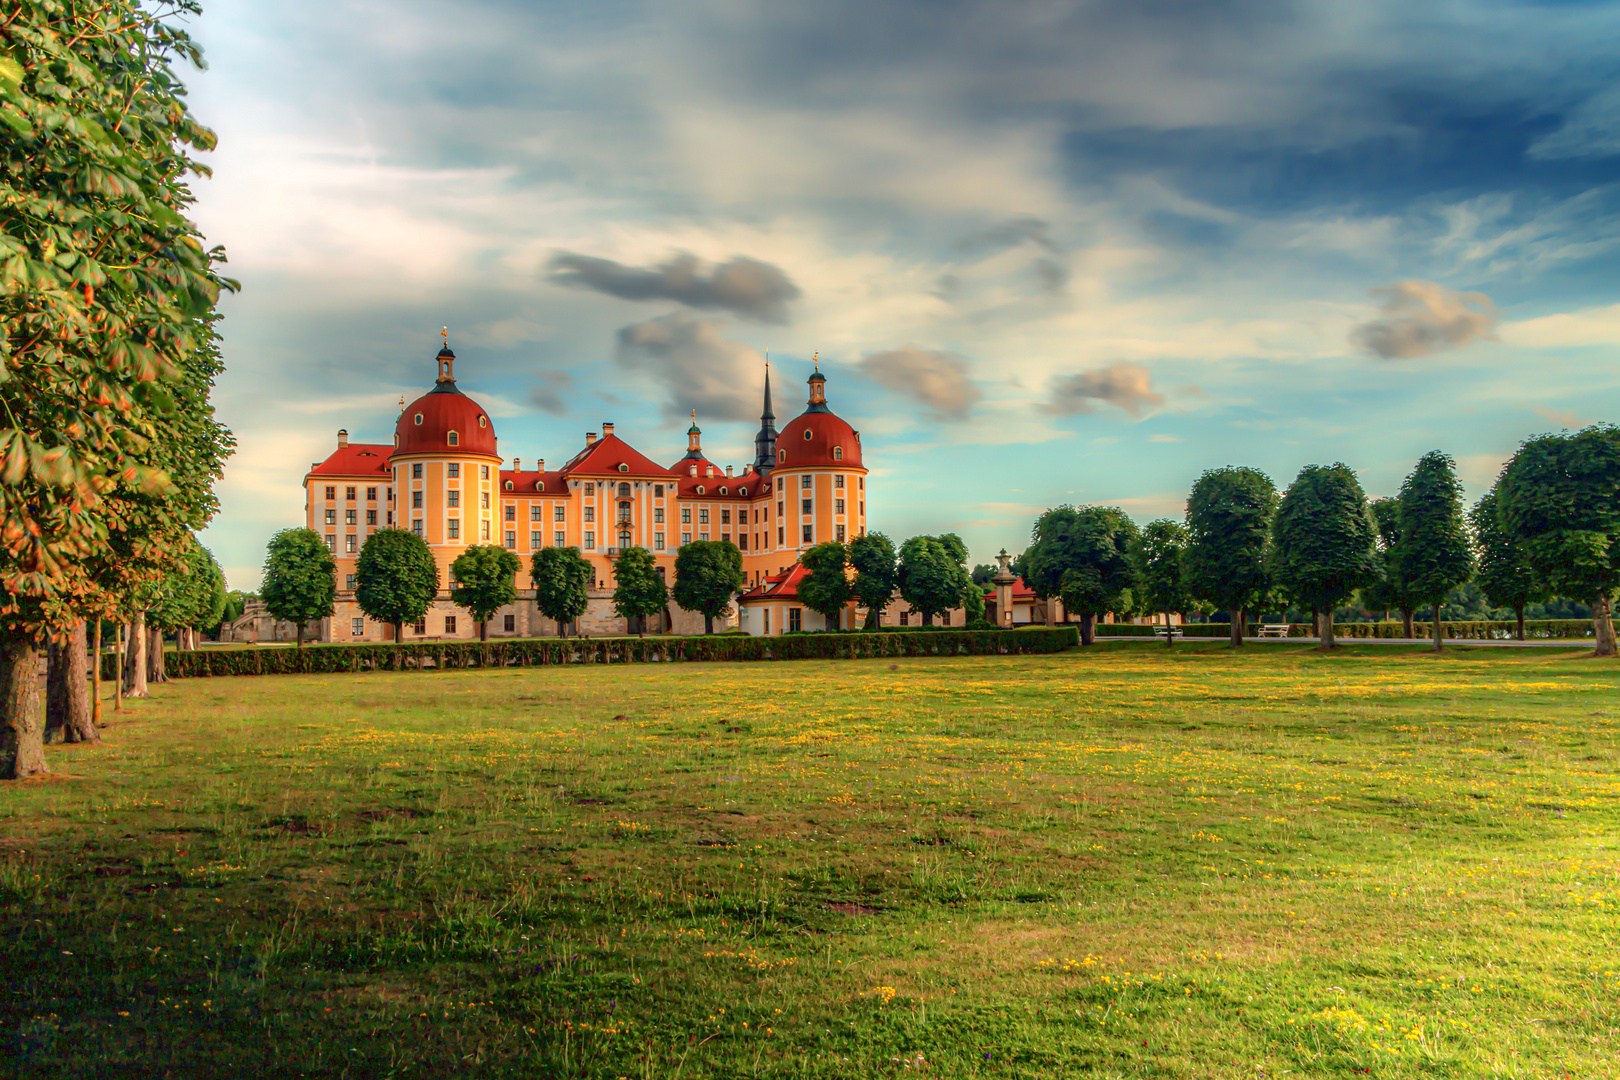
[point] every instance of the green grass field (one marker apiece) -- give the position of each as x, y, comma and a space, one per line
1126, 861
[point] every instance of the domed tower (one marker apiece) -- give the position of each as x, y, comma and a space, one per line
819, 480
446, 472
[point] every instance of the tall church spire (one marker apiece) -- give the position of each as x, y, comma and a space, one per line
765, 441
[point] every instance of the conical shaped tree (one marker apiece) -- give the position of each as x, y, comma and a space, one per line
1229, 516
1432, 552
1323, 541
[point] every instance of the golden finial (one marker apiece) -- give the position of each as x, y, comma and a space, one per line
816, 359
444, 332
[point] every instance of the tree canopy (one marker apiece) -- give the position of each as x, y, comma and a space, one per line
562, 580
1229, 513
827, 588
1432, 552
299, 584
486, 581
194, 595
1156, 555
1505, 573
933, 577
876, 574
1323, 541
396, 578
1082, 555
707, 574
638, 588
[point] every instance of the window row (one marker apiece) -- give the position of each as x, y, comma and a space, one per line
349, 493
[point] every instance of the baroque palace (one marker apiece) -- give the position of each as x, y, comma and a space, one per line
444, 479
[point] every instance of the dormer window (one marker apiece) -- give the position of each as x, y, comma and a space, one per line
742, 491
623, 467
452, 438
509, 485
838, 453
539, 485
418, 419
807, 435
722, 489
700, 489
483, 421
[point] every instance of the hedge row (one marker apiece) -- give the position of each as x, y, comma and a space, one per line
1468, 630
540, 652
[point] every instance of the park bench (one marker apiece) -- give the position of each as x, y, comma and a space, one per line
1274, 630
1173, 631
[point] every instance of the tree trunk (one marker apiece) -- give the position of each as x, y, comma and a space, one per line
1406, 624
22, 743
67, 706
1324, 623
118, 670
562, 628
873, 615
1237, 628
1439, 630
1518, 618
928, 618
708, 624
95, 681
1169, 636
300, 635
155, 669
1603, 626
483, 629
1088, 627
135, 662
399, 632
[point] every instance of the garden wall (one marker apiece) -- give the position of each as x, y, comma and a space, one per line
541, 652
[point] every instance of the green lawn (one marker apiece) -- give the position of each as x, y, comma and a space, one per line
1125, 861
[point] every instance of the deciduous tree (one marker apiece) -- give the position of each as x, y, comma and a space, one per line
1505, 574
638, 590
876, 574
1387, 589
562, 580
1081, 555
299, 585
1432, 552
827, 588
486, 581
1559, 497
1229, 516
396, 578
932, 575
1323, 542
1156, 565
708, 574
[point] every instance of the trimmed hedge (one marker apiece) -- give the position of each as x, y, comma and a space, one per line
1463, 630
541, 652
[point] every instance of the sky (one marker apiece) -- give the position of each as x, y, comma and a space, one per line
1046, 252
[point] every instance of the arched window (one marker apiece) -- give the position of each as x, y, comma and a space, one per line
539, 485
509, 485
838, 453
722, 489
700, 489
808, 435
452, 438
623, 467
781, 455
483, 421
624, 489
624, 539
418, 419
742, 491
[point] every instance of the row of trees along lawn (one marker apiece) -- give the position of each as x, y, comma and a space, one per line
1549, 527
109, 449
929, 573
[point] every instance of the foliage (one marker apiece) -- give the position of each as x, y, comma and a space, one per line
1229, 515
982, 575
485, 577
1082, 555
932, 577
231, 610
299, 584
562, 579
638, 590
1323, 538
1505, 574
1387, 591
707, 574
1559, 497
1156, 556
877, 574
1432, 552
193, 596
826, 589
1457, 629
396, 577
973, 606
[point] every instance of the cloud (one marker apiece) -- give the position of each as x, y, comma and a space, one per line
1591, 326
1126, 385
701, 368
1568, 418
938, 380
546, 394
1421, 318
1162, 438
746, 287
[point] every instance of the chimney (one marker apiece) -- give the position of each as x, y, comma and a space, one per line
607, 429
343, 438
517, 464
748, 468
691, 470
540, 466
728, 470
590, 438
708, 470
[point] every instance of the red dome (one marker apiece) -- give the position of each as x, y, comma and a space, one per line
811, 439
425, 425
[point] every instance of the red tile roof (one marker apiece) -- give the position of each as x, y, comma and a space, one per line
523, 482
1020, 592
688, 485
442, 410
779, 587
605, 455
367, 460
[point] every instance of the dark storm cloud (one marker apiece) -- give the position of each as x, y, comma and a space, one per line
746, 287
699, 366
1127, 386
938, 380
1421, 318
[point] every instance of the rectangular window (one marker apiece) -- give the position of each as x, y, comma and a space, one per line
534, 511
534, 540
590, 488
905, 618
357, 627
416, 500
703, 536
944, 618
658, 515
390, 517
840, 534
779, 532
658, 491
483, 472
807, 534
416, 470
454, 529
590, 540
416, 526
780, 510
509, 623
805, 507
419, 626
658, 541
838, 506
860, 482
838, 481
686, 538
449, 624
590, 513
349, 543
742, 541
455, 497
725, 517
511, 512
331, 542
511, 538
350, 516
686, 515
795, 620
559, 538
348, 582
371, 517
483, 500
331, 492
390, 494
371, 494
863, 507
559, 512
348, 493
331, 517
453, 470
804, 481
703, 516
483, 531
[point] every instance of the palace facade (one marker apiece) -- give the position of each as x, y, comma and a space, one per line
443, 478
